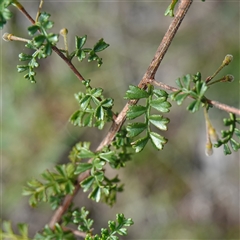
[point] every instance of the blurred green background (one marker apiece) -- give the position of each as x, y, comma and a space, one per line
177, 193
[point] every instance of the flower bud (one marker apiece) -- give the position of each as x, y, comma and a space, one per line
228, 58
208, 149
64, 32
7, 37
230, 78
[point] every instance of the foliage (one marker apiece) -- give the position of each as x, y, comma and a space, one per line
114, 228
196, 91
227, 135
87, 167
5, 14
81, 52
95, 109
9, 234
80, 218
57, 233
102, 186
156, 99
192, 86
42, 44
56, 184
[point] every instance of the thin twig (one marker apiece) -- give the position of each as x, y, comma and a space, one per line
216, 104
75, 232
55, 49
224, 107
150, 73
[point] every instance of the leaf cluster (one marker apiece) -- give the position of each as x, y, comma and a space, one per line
118, 227
56, 184
227, 135
82, 52
80, 218
6, 232
190, 86
94, 109
42, 44
100, 185
57, 233
5, 14
156, 99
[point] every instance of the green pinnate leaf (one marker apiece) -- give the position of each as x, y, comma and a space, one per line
112, 225
98, 165
53, 38
157, 140
100, 113
70, 169
108, 156
234, 144
95, 194
160, 104
135, 129
201, 88
159, 121
179, 98
85, 101
82, 167
23, 230
160, 93
135, 111
85, 153
24, 57
226, 149
107, 103
179, 83
45, 51
22, 68
186, 81
56, 233
237, 132
173, 95
194, 106
100, 46
33, 63
47, 176
39, 40
96, 93
33, 29
140, 144
92, 56
44, 17
87, 183
135, 92
80, 41
80, 54
69, 187
81, 218
5, 14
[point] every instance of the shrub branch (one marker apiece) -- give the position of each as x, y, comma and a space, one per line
216, 104
116, 125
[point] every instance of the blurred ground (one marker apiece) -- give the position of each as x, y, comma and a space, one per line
177, 193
